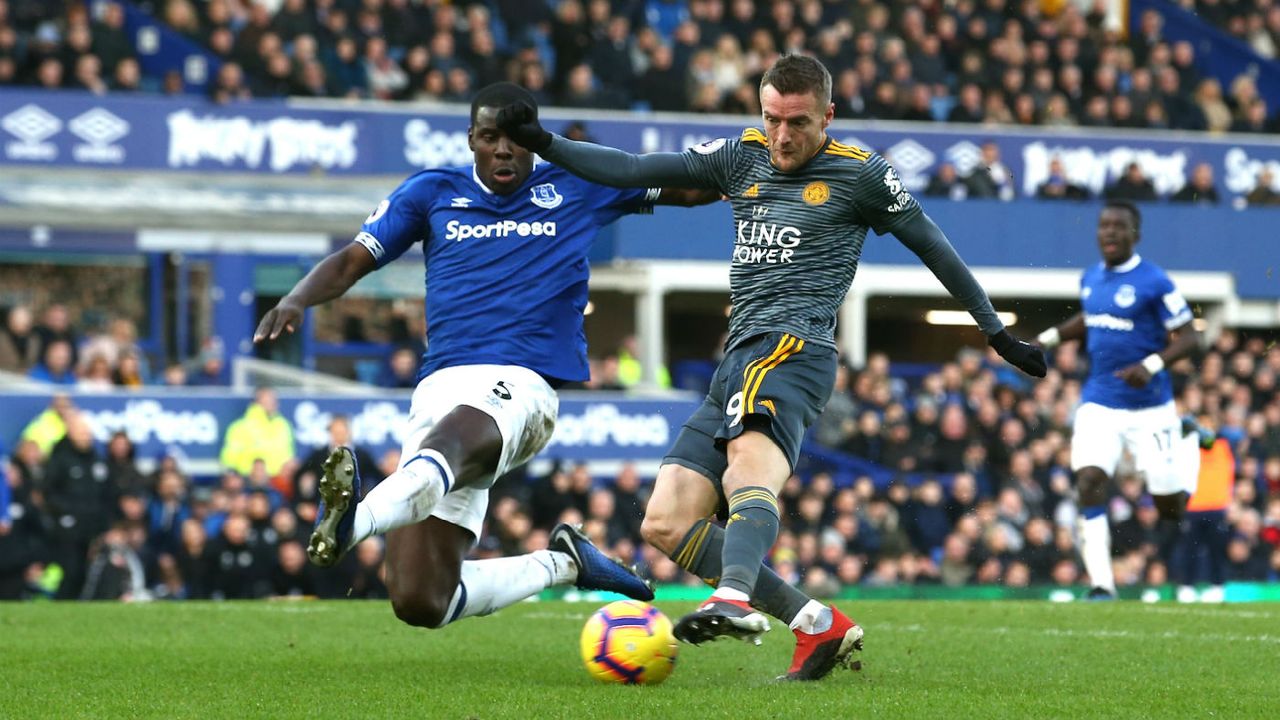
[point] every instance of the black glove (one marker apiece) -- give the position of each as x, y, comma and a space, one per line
519, 121
1026, 357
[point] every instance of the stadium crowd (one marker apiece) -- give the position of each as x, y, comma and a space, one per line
1023, 62
979, 493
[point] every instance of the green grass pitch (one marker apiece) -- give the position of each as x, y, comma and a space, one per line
355, 660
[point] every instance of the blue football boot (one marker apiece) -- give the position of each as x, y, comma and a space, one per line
339, 493
597, 571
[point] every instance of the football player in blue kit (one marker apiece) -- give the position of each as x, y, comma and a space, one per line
505, 247
1134, 323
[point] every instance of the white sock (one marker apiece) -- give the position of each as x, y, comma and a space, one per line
728, 593
407, 496
813, 618
1095, 548
490, 585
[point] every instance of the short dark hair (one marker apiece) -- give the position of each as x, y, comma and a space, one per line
500, 94
1129, 208
795, 74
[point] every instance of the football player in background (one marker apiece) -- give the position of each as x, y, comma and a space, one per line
1134, 323
505, 246
802, 206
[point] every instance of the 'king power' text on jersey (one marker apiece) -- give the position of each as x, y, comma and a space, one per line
1128, 313
506, 274
797, 235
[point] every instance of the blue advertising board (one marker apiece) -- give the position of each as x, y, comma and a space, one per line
191, 425
70, 129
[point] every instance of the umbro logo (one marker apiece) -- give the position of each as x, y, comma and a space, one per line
31, 124
460, 202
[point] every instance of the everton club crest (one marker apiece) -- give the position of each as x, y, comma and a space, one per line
545, 196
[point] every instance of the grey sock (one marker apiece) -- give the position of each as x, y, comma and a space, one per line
700, 553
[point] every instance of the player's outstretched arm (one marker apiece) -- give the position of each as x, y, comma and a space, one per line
597, 163
1070, 329
329, 279
927, 241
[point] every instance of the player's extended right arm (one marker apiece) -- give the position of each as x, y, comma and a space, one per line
329, 279
597, 163
1070, 329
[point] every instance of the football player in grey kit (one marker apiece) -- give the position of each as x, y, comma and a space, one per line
802, 205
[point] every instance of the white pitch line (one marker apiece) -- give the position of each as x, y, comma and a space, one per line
1211, 611
1070, 632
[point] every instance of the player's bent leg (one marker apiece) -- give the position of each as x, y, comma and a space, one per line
756, 471
1171, 509
432, 586
681, 498
676, 522
1095, 531
424, 570
461, 450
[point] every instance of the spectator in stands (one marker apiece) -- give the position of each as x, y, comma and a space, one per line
630, 370
210, 369
242, 565
195, 561
401, 370
990, 178
383, 75
1216, 113
313, 464
127, 76
262, 433
1263, 193
110, 40
947, 183
78, 500
116, 572
344, 68
55, 324
1200, 189
1058, 187
95, 374
19, 344
120, 338
1132, 186
1253, 119
55, 365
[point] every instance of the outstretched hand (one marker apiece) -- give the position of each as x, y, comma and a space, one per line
1023, 355
285, 316
519, 120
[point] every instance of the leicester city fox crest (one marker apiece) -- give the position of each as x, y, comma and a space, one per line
545, 196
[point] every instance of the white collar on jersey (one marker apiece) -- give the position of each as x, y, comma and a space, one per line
1125, 266
476, 176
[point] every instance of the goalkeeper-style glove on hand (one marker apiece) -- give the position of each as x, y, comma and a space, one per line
519, 121
1026, 357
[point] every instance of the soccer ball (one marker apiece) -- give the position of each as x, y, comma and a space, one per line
629, 642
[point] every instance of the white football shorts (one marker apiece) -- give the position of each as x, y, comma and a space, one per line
1153, 437
518, 399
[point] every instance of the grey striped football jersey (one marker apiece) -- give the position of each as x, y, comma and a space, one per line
797, 236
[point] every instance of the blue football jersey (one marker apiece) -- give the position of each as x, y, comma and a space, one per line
1128, 313
506, 274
